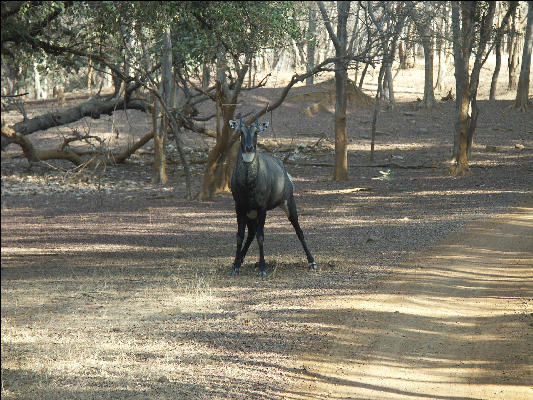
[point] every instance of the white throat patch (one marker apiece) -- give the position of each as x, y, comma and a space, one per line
248, 157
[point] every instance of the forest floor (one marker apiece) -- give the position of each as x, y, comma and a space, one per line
115, 288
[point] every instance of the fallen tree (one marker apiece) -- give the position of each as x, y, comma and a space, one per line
92, 108
34, 155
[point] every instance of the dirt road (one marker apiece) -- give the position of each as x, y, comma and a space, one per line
456, 322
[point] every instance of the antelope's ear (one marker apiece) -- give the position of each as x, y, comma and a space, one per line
262, 126
233, 124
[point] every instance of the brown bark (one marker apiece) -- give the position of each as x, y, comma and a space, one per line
423, 26
498, 48
429, 95
513, 49
361, 81
496, 73
214, 179
466, 82
402, 55
159, 175
206, 75
92, 108
341, 145
522, 93
121, 157
375, 115
90, 72
340, 41
159, 169
33, 155
220, 154
311, 45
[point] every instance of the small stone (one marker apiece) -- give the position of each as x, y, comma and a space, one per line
371, 239
496, 149
247, 317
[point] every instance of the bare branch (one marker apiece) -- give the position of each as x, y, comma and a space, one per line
327, 22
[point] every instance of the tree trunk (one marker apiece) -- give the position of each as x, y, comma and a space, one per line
92, 108
214, 180
408, 43
522, 93
311, 45
513, 48
159, 175
402, 55
494, 81
341, 148
90, 72
211, 183
498, 48
340, 42
441, 70
429, 95
375, 116
205, 75
413, 49
36, 83
33, 155
466, 82
363, 76
390, 85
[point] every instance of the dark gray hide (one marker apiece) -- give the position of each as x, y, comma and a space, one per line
260, 183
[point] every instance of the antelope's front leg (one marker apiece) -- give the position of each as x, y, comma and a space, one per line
241, 225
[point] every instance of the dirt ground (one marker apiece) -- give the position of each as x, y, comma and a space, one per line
453, 322
113, 288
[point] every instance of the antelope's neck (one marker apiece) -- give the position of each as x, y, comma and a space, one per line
247, 172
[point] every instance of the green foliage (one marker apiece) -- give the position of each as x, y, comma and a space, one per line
54, 34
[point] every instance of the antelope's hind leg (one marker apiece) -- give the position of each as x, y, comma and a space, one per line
290, 209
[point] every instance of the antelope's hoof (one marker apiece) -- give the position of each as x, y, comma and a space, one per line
234, 271
312, 265
262, 274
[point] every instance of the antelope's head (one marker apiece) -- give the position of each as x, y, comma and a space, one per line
248, 137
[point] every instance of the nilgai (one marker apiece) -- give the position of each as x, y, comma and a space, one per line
260, 183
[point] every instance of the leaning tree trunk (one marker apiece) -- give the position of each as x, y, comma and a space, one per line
363, 74
522, 92
93, 108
